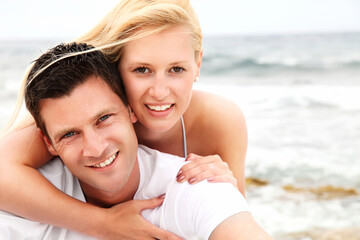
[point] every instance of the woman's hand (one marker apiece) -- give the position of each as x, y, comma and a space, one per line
124, 221
212, 168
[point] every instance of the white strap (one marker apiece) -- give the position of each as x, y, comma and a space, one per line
184, 136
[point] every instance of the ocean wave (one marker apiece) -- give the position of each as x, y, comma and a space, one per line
228, 64
303, 53
297, 97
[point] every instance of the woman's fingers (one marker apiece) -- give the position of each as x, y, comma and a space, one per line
158, 233
151, 203
224, 178
151, 231
210, 167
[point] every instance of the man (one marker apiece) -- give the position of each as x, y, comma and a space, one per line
80, 109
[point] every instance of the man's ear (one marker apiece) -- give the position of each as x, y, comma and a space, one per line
133, 117
48, 143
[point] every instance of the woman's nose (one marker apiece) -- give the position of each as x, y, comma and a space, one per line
159, 89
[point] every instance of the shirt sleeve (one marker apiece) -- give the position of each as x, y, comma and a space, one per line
194, 211
15, 227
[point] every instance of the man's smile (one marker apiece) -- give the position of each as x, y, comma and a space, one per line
107, 162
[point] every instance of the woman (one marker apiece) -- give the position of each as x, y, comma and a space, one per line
159, 50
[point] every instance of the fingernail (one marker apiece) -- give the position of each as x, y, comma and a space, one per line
192, 180
162, 196
210, 179
179, 173
180, 179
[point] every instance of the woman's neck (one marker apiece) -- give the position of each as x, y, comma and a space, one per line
170, 141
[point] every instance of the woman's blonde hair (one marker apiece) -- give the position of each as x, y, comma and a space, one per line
134, 19
128, 21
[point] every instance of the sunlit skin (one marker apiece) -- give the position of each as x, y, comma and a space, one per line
97, 127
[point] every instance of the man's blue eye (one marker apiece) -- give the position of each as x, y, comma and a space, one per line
103, 118
69, 134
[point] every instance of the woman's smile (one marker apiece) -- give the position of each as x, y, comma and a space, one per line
160, 111
159, 108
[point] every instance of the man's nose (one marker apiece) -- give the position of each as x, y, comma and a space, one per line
94, 144
159, 89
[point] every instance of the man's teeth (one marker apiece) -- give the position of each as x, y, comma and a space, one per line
106, 162
159, 107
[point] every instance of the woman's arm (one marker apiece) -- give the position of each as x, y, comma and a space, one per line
240, 226
217, 126
25, 192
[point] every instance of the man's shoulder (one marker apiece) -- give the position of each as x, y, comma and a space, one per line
60, 176
142, 149
157, 172
197, 209
155, 159
54, 171
15, 227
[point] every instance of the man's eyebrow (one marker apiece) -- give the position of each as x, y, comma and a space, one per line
101, 113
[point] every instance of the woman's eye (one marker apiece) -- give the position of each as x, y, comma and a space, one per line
141, 70
103, 118
177, 69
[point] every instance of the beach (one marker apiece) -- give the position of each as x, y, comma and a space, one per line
300, 98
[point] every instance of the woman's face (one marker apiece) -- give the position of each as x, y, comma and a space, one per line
158, 72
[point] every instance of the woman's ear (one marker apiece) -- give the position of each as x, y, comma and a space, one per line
48, 143
198, 63
133, 117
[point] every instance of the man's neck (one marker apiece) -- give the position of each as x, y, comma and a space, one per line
108, 199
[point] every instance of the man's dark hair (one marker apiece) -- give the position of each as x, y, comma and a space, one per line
61, 69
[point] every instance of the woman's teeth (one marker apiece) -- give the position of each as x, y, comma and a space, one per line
106, 162
159, 107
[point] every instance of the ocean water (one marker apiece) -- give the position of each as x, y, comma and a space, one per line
301, 98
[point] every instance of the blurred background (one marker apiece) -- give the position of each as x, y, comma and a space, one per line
292, 66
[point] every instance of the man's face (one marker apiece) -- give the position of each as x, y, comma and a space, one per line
91, 130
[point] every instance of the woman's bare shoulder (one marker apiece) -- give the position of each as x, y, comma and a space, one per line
211, 117
213, 109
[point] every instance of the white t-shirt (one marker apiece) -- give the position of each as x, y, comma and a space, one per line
15, 227
190, 211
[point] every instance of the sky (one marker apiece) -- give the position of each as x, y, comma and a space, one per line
67, 19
